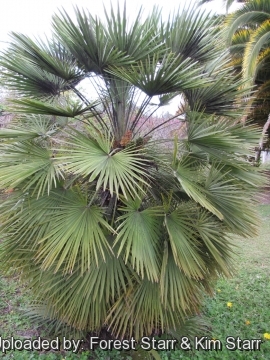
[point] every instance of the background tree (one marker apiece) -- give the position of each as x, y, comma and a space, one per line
249, 40
109, 227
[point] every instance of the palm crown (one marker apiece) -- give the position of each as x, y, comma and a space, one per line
110, 227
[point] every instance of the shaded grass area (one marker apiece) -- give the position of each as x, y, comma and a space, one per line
247, 317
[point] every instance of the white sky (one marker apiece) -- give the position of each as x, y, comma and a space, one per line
33, 17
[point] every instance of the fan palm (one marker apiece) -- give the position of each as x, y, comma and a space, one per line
110, 227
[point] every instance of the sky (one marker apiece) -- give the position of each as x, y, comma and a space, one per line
33, 17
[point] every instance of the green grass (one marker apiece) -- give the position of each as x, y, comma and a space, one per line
13, 299
248, 318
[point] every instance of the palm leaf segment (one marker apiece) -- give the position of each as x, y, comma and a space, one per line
122, 231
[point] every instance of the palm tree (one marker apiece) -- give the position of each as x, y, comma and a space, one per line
109, 227
249, 40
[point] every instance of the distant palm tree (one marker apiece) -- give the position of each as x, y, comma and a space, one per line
249, 40
110, 228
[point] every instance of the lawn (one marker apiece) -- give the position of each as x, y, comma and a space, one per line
240, 308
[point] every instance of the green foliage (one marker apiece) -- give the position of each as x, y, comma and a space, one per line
248, 318
248, 35
109, 228
13, 303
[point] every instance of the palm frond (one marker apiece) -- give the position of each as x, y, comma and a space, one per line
29, 166
176, 288
228, 197
221, 136
258, 41
143, 300
189, 180
39, 69
79, 230
139, 237
137, 39
32, 106
252, 12
182, 240
199, 42
17, 134
219, 97
155, 77
52, 57
118, 170
87, 41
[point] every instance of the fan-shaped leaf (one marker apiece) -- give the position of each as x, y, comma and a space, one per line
139, 238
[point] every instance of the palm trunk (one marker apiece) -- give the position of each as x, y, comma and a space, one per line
265, 128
